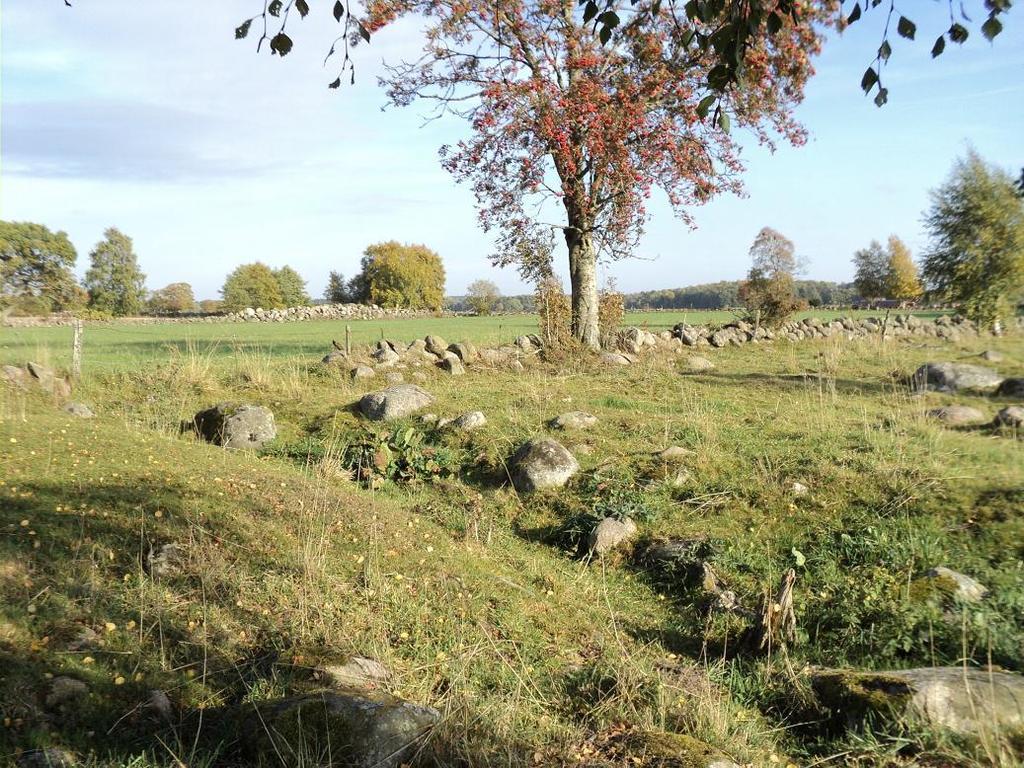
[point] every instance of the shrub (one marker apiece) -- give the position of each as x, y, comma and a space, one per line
554, 314
610, 310
482, 296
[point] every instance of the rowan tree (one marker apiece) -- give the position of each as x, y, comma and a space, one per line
976, 257
901, 278
114, 281
35, 267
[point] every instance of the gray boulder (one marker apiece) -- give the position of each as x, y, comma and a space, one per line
991, 356
956, 415
19, 377
81, 410
609, 534
435, 345
352, 728
542, 463
614, 358
965, 701
574, 420
168, 560
697, 364
465, 351
394, 377
953, 377
1011, 416
395, 402
1011, 388
467, 422
385, 356
236, 426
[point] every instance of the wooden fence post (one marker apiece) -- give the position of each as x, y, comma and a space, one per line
348, 339
76, 350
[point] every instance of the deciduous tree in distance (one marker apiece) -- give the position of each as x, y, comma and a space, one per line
114, 281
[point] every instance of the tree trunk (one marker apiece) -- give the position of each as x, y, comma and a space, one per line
583, 279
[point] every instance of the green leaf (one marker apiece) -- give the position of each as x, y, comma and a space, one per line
868, 81
610, 19
705, 105
339, 10
605, 34
243, 29
884, 50
906, 28
881, 97
774, 23
302, 7
590, 11
854, 14
723, 121
364, 32
991, 28
281, 44
798, 556
958, 33
274, 9
939, 47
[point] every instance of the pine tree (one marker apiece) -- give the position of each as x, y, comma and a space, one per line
114, 281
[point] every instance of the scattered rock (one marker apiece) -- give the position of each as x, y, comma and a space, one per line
358, 729
362, 372
43, 376
1011, 388
86, 638
614, 358
335, 357
697, 364
674, 453
236, 426
64, 690
966, 701
963, 586
609, 534
467, 421
395, 402
394, 377
51, 757
452, 364
574, 420
542, 463
956, 415
357, 672
953, 377
81, 410
168, 560
19, 377
1011, 416
435, 345
798, 489
991, 356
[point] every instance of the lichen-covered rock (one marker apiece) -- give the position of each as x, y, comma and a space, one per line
465, 351
697, 364
351, 728
452, 364
614, 358
956, 415
962, 586
1011, 388
385, 356
609, 534
356, 672
1012, 416
542, 463
395, 402
574, 420
236, 426
467, 422
966, 701
953, 377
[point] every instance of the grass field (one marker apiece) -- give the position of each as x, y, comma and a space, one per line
114, 345
472, 594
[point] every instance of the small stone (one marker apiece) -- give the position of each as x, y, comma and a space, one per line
64, 690
451, 364
991, 356
236, 426
435, 345
609, 534
798, 489
697, 364
1011, 388
85, 639
614, 358
574, 420
159, 704
51, 757
674, 453
168, 560
80, 410
542, 463
394, 377
395, 402
468, 421
465, 351
385, 356
955, 415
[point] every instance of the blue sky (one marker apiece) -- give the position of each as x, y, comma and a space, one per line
140, 116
